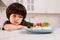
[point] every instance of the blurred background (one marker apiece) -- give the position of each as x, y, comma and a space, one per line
37, 11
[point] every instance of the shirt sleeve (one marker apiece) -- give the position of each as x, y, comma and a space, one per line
25, 23
6, 22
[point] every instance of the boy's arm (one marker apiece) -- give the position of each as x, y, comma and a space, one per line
12, 27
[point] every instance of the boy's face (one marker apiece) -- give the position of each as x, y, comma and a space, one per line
16, 19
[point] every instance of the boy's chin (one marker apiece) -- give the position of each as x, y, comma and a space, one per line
15, 24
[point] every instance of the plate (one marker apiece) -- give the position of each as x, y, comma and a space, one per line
43, 31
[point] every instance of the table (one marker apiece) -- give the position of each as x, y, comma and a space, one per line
24, 35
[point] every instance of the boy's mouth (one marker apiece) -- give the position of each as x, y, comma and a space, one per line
15, 22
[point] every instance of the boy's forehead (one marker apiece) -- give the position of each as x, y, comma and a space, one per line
17, 14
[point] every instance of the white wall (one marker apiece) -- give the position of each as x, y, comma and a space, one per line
57, 6
2, 17
44, 6
7, 2
53, 19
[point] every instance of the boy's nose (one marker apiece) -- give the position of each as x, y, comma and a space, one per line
16, 18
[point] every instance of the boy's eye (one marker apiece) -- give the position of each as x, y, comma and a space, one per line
20, 16
14, 15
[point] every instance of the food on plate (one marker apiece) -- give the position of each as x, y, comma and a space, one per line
29, 26
39, 24
44, 25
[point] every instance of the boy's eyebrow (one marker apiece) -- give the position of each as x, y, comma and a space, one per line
18, 14
21, 15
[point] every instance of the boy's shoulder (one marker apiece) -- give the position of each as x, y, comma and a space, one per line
6, 22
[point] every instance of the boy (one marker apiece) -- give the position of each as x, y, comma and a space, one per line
16, 13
